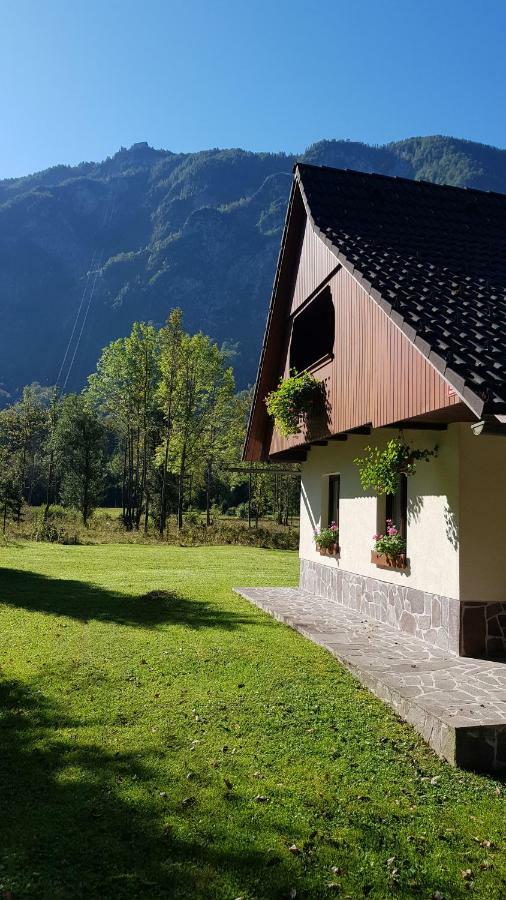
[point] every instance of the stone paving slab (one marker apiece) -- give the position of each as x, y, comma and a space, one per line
457, 704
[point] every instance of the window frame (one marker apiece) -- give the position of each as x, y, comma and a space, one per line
333, 480
401, 495
297, 316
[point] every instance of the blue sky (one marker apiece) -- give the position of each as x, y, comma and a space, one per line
80, 78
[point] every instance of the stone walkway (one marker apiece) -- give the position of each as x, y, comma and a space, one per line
457, 704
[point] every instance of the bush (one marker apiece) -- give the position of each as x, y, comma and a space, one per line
192, 517
64, 526
59, 526
228, 533
242, 511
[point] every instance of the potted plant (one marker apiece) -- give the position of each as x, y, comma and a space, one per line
327, 540
292, 401
389, 549
380, 469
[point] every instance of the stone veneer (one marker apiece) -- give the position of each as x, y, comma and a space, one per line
467, 629
483, 629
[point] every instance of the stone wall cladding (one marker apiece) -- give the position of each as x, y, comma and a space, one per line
483, 629
429, 617
465, 629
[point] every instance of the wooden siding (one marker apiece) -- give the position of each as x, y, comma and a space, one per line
316, 262
376, 376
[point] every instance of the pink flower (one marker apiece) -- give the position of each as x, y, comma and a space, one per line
392, 530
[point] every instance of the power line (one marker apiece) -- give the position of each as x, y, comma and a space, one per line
77, 316
93, 271
99, 263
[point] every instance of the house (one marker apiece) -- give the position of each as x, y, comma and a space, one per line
392, 293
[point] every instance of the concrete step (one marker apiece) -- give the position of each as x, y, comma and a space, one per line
457, 704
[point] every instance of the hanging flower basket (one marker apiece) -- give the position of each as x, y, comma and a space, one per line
293, 401
380, 469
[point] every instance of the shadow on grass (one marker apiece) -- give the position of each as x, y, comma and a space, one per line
83, 601
69, 830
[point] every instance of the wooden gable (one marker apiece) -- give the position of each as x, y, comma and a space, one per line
316, 263
374, 376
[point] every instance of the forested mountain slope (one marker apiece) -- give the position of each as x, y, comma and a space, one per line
86, 250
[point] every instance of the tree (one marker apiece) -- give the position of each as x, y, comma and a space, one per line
49, 448
204, 387
11, 496
22, 433
123, 388
79, 448
171, 339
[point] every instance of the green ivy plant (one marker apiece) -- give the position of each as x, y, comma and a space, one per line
292, 400
380, 469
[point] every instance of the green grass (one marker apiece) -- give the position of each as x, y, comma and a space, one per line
144, 707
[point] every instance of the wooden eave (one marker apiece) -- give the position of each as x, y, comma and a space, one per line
259, 425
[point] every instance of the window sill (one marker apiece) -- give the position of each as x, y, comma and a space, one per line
384, 562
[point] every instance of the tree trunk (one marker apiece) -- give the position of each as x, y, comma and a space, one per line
208, 494
163, 502
180, 493
86, 485
50, 476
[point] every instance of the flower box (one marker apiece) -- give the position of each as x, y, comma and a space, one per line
329, 551
387, 562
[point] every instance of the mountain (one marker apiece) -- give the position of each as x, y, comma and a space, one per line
87, 250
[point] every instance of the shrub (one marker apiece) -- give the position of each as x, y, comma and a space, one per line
192, 517
59, 526
242, 511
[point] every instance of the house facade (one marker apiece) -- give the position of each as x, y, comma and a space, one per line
392, 293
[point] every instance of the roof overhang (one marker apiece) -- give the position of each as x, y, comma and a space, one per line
489, 414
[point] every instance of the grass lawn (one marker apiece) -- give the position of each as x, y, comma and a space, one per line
159, 737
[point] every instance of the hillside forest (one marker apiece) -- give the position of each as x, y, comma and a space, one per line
87, 250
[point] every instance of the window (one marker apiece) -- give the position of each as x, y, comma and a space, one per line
396, 506
313, 332
333, 505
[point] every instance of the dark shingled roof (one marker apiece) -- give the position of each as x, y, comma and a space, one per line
434, 257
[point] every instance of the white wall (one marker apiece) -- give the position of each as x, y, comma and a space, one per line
483, 517
433, 500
